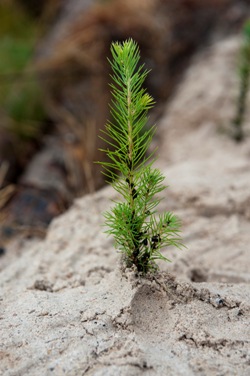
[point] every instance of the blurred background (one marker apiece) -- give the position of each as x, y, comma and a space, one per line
54, 90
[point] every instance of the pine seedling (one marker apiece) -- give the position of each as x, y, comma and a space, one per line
244, 76
139, 233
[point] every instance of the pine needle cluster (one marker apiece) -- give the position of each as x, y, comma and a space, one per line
138, 231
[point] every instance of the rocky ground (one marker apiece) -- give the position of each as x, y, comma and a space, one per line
68, 309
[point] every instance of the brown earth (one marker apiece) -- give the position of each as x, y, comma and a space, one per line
49, 171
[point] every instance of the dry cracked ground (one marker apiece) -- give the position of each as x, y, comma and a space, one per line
68, 309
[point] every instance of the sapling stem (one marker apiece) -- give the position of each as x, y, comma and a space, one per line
139, 233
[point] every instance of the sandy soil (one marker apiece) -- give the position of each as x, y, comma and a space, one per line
68, 309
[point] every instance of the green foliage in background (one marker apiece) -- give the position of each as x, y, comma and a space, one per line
138, 231
244, 75
21, 108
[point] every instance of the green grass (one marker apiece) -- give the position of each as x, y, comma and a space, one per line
20, 94
244, 80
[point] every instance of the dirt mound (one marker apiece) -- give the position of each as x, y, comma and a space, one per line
67, 308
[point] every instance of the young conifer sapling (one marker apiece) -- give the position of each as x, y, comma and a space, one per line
138, 231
